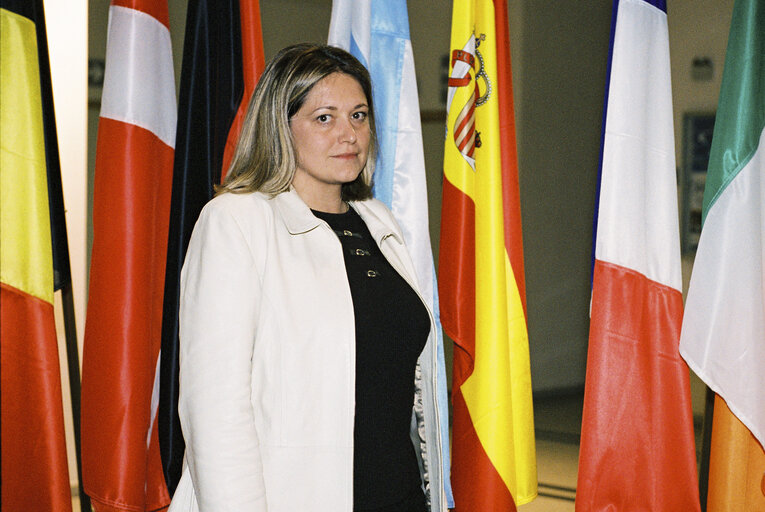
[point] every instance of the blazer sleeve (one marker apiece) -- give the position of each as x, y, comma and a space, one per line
220, 298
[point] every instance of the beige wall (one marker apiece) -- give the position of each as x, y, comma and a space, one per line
67, 27
562, 67
697, 29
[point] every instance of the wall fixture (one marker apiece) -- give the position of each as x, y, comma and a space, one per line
702, 69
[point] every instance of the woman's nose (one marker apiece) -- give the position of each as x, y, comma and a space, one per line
347, 131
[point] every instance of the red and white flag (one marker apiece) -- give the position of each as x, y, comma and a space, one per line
637, 447
122, 469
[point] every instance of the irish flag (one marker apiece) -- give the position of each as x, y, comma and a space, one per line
480, 273
723, 335
637, 447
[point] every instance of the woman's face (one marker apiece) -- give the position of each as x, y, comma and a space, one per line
331, 135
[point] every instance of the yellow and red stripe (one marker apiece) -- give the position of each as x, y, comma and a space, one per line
481, 273
34, 467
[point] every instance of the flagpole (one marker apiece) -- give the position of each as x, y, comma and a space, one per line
73, 362
706, 446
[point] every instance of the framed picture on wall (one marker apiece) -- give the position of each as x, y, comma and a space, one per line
697, 140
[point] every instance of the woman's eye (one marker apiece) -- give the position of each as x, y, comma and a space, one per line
359, 116
323, 118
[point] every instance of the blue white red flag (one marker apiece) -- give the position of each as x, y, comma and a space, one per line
377, 33
637, 446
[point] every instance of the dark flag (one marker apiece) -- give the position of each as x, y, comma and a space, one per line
222, 58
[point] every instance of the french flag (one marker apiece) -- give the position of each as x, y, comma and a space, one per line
637, 445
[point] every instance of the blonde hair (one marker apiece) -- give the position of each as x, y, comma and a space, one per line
265, 159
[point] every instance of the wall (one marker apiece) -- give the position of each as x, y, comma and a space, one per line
67, 27
697, 28
562, 65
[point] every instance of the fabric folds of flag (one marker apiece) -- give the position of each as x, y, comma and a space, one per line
222, 60
480, 274
33, 465
122, 468
637, 445
724, 325
377, 33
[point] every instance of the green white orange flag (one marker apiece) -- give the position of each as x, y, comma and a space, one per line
723, 332
34, 468
481, 269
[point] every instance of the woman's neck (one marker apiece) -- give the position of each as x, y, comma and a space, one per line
324, 199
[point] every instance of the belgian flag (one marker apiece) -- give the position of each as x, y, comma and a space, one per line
34, 466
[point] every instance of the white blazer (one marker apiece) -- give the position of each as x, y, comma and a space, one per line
267, 360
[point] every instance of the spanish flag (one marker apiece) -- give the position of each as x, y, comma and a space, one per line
34, 467
481, 269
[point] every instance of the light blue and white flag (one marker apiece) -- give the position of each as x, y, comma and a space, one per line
377, 33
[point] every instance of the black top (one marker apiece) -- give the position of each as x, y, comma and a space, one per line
392, 326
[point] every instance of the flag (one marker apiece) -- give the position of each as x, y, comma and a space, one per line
480, 271
33, 464
121, 462
724, 326
377, 33
222, 60
637, 447
736, 465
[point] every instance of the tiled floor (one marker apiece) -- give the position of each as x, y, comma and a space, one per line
557, 420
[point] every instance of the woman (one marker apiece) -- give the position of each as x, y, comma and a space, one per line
307, 378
